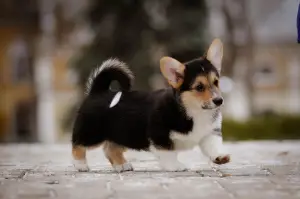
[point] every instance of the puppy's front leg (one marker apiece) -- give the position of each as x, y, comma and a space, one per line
212, 146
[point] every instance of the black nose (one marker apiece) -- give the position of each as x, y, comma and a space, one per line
218, 101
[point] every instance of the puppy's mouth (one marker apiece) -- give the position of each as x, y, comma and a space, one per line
210, 107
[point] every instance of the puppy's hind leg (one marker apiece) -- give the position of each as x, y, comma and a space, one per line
114, 154
79, 158
169, 160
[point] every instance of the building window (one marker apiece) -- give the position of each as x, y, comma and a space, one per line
266, 75
24, 122
21, 68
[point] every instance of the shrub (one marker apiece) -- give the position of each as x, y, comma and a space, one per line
271, 127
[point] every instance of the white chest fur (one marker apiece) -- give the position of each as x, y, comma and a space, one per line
203, 124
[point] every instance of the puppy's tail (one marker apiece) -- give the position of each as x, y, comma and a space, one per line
110, 70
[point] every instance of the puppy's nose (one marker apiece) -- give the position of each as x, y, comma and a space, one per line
218, 101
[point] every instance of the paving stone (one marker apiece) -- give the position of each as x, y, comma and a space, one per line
245, 171
241, 183
81, 191
258, 170
25, 190
13, 173
289, 183
284, 169
209, 173
262, 194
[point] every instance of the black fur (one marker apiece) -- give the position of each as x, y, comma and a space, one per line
104, 79
139, 118
193, 69
112, 69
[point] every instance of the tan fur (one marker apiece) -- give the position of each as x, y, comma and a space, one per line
192, 96
206, 94
189, 98
180, 81
180, 71
79, 152
212, 77
114, 153
215, 53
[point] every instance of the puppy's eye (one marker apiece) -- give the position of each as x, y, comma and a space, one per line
200, 88
216, 83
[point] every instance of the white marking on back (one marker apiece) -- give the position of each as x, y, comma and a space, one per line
115, 100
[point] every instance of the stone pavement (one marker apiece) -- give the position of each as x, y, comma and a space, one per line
258, 170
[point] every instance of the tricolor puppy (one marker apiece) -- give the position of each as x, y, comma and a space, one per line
185, 115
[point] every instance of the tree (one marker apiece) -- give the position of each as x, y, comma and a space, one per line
237, 18
140, 32
133, 30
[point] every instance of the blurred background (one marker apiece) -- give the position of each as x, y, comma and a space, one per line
48, 48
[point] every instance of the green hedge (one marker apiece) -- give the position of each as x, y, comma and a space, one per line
258, 128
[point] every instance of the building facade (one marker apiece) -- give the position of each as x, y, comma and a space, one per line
37, 40
275, 57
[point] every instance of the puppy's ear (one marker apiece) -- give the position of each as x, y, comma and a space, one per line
173, 71
215, 53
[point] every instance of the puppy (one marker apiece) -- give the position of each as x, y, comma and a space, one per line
185, 115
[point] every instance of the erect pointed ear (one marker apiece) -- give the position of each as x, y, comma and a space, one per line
215, 53
173, 71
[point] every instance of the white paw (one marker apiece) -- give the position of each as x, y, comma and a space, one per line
81, 165
123, 167
221, 159
175, 166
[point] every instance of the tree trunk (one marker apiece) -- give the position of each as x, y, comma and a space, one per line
250, 58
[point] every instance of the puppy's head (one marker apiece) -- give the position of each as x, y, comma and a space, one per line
197, 81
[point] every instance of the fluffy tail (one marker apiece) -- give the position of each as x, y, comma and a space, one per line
110, 70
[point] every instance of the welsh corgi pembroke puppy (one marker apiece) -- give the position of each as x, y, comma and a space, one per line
164, 122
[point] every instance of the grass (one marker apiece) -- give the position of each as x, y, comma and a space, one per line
260, 128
